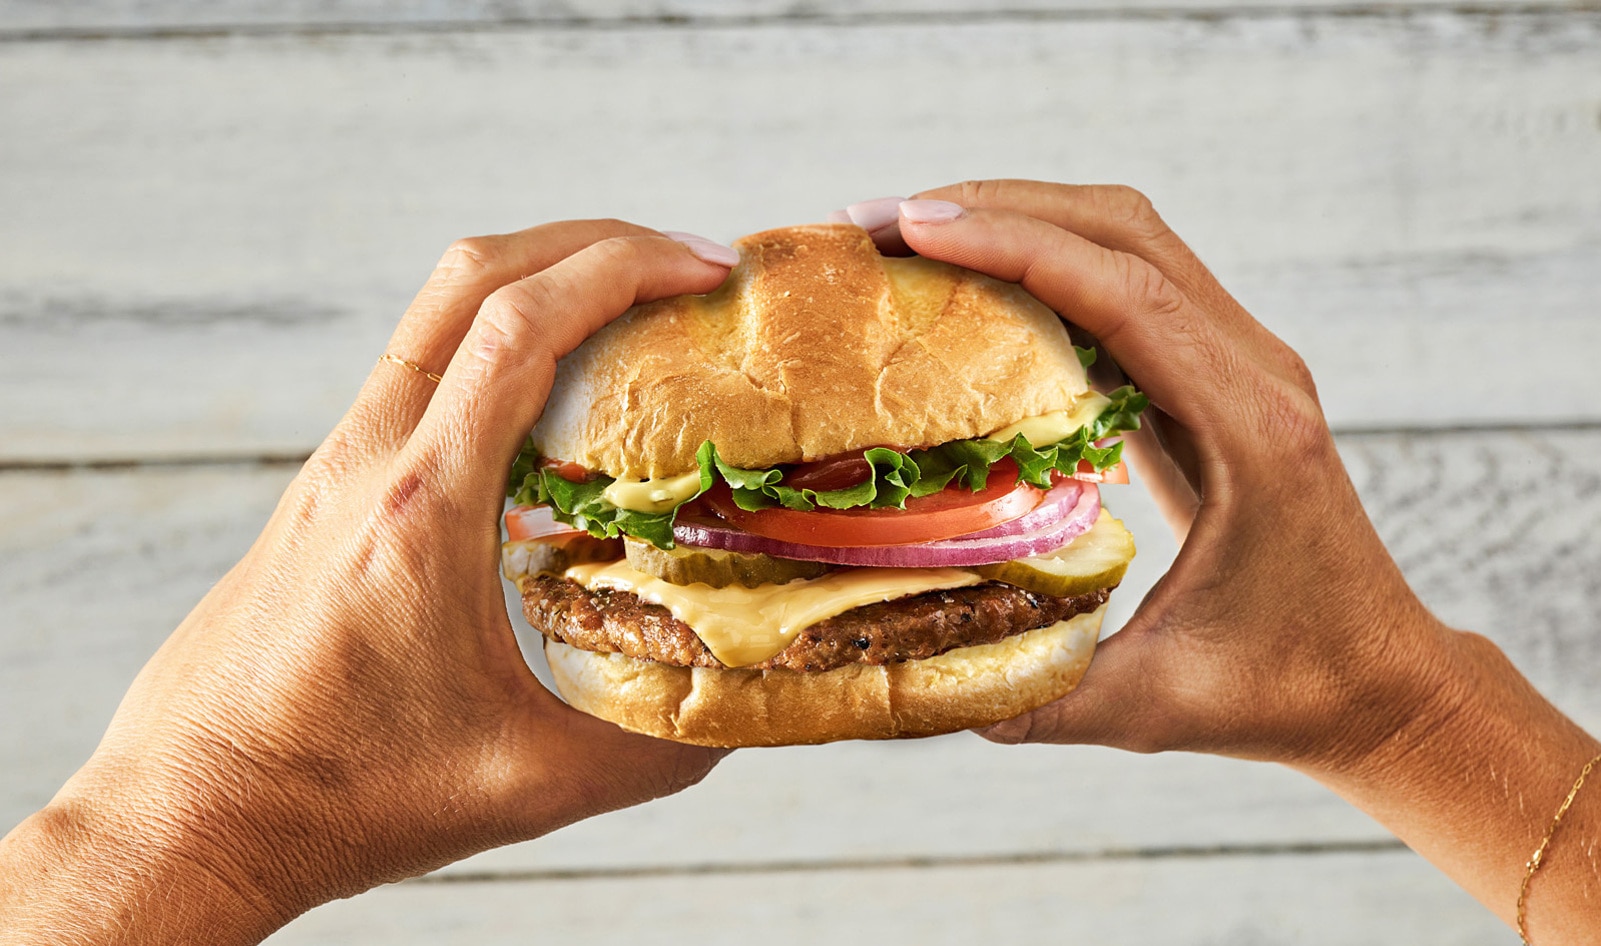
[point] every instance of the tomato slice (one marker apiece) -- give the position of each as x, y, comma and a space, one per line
536, 522
950, 512
1116, 473
825, 475
571, 472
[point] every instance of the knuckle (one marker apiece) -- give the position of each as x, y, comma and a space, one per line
1129, 202
689, 770
317, 486
303, 503
512, 314
404, 499
1010, 732
1299, 374
467, 257
980, 193
1131, 208
1147, 290
624, 252
524, 321
1292, 420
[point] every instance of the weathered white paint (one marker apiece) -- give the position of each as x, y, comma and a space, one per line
34, 16
95, 568
1500, 531
203, 243
206, 241
1316, 900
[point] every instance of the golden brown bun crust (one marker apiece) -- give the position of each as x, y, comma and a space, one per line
959, 689
816, 345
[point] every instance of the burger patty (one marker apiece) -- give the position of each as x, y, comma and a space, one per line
911, 628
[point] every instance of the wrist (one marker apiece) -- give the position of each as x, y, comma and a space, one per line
86, 871
1404, 678
1472, 777
1465, 696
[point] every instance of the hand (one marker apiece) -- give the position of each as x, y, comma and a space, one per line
1283, 631
348, 706
1283, 612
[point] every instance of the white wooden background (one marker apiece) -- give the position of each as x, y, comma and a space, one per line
211, 213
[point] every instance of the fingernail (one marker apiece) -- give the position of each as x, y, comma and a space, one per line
875, 214
709, 250
930, 211
838, 216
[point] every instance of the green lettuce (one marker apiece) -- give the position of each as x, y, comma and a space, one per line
896, 477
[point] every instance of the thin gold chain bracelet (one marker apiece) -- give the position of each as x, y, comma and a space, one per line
1539, 853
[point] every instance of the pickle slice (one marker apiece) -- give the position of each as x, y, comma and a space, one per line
719, 568
1097, 559
555, 555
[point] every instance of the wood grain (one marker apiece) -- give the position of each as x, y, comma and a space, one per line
1497, 529
96, 567
34, 19
206, 240
1307, 900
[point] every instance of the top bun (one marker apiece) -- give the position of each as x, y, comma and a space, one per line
815, 345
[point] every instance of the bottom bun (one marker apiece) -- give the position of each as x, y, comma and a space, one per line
959, 689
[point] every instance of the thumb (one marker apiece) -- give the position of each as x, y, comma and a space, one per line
1112, 706
604, 767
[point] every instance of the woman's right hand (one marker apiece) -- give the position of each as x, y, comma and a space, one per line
1283, 631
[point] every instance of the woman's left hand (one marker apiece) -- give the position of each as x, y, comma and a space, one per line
348, 706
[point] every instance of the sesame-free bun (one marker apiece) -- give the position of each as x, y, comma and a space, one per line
816, 345
959, 689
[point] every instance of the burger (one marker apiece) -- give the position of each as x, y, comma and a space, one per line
843, 496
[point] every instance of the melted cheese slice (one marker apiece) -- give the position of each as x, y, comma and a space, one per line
743, 626
1047, 429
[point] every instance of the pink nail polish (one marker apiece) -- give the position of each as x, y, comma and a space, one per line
837, 216
875, 214
708, 250
930, 211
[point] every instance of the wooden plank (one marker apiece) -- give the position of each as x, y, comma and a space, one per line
30, 18
1307, 900
96, 567
1497, 531
206, 240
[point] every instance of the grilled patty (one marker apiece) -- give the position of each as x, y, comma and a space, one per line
912, 628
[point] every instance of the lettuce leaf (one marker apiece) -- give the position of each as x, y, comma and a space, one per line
896, 476
582, 506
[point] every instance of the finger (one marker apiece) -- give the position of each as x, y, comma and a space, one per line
497, 383
394, 398
1117, 217
881, 218
1177, 355
1161, 453
1163, 456
1123, 219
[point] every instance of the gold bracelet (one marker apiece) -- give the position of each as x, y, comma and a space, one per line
397, 360
1539, 852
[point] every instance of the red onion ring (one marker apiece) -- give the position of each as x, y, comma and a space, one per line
979, 548
1054, 505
